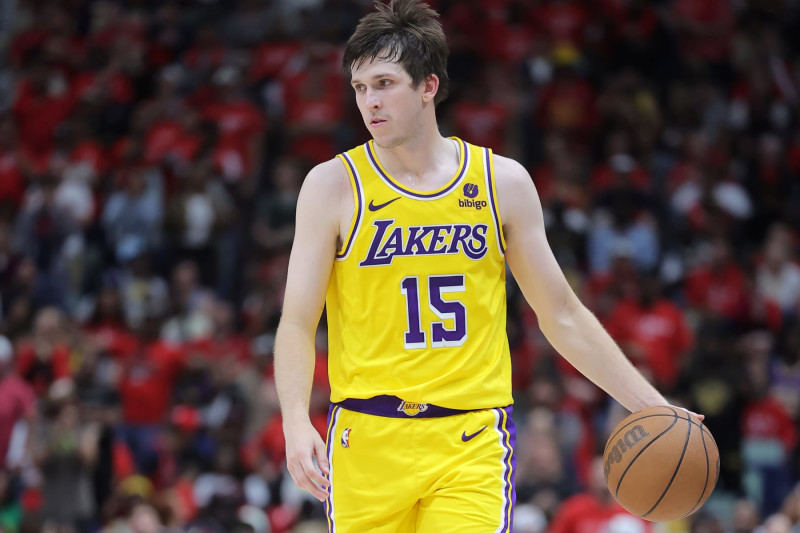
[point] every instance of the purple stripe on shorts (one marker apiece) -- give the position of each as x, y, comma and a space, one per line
391, 183
328, 445
509, 437
394, 407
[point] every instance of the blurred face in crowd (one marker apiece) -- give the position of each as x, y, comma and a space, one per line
48, 324
144, 520
777, 523
288, 177
223, 317
185, 276
136, 184
389, 103
597, 481
720, 253
745, 516
109, 304
7, 134
778, 248
5, 238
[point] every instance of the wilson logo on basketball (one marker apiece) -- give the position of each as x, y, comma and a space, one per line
631, 438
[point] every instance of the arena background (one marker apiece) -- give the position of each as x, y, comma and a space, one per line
150, 158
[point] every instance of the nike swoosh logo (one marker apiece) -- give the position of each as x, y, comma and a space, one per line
466, 437
373, 207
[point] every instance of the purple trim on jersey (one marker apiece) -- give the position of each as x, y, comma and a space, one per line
394, 407
328, 447
493, 205
508, 434
403, 190
359, 207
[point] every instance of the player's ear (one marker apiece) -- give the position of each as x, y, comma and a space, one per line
430, 86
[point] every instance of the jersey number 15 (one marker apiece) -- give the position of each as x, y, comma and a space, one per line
453, 310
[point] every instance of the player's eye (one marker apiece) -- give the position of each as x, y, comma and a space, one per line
359, 87
384, 83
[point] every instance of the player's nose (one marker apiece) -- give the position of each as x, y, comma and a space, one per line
373, 100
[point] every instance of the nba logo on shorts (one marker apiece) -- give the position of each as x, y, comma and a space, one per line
470, 190
346, 438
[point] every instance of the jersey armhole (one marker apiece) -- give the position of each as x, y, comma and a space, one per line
492, 189
358, 204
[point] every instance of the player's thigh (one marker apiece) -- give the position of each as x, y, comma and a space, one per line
474, 488
372, 483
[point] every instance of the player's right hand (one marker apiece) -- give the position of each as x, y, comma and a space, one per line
303, 444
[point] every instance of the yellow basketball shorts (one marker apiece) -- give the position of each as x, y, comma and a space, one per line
398, 467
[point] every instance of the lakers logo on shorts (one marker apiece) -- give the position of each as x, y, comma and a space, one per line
412, 408
346, 438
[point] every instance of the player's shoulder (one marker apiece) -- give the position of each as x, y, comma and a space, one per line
509, 173
331, 170
326, 179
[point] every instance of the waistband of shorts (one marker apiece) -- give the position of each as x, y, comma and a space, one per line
394, 407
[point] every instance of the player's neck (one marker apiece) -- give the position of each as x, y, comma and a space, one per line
422, 161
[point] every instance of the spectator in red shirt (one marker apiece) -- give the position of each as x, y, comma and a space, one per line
241, 127
634, 24
225, 346
12, 185
44, 100
480, 118
145, 386
595, 510
563, 21
17, 409
9, 264
769, 437
45, 356
107, 328
777, 272
313, 96
566, 104
705, 29
653, 331
619, 161
717, 287
208, 52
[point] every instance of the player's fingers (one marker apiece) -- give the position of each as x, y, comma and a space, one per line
696, 415
315, 483
302, 480
322, 456
313, 473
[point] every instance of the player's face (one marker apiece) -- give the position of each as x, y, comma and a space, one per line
388, 100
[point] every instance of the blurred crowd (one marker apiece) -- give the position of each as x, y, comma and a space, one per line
151, 154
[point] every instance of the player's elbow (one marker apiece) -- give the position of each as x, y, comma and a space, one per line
559, 318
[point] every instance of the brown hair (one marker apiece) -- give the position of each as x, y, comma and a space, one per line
405, 31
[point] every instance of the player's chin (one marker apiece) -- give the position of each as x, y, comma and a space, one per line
386, 141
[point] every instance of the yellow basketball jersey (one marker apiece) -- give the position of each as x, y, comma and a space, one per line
416, 303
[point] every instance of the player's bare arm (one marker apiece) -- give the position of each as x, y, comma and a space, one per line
569, 326
325, 195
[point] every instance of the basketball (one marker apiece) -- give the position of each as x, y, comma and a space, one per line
661, 463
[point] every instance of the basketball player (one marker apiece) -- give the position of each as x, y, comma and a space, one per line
405, 238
